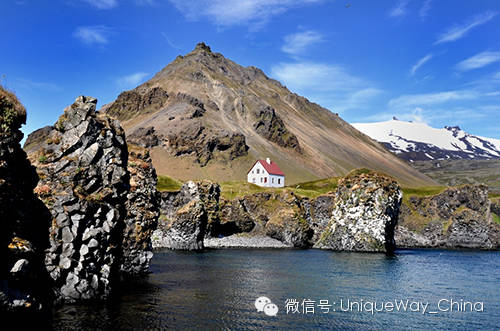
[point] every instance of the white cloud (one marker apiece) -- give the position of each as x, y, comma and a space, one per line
132, 80
400, 9
318, 76
169, 42
96, 34
424, 10
459, 31
420, 63
478, 61
103, 4
329, 85
237, 12
297, 43
418, 100
31, 84
145, 2
431, 115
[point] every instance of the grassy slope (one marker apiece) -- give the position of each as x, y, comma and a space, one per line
458, 172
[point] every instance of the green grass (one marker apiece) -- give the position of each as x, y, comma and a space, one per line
496, 218
423, 191
231, 190
316, 188
166, 183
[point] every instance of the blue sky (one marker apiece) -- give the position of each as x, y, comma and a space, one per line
426, 60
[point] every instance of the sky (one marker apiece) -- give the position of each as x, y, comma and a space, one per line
432, 61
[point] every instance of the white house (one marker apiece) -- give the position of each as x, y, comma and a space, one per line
266, 173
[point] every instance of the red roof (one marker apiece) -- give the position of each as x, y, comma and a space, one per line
272, 168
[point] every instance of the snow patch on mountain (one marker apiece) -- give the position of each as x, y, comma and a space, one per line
418, 141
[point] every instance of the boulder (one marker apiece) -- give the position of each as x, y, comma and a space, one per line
365, 213
25, 219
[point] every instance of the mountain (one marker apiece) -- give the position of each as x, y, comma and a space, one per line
414, 141
205, 117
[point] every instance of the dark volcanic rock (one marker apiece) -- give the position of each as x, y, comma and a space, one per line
288, 227
319, 213
143, 210
202, 142
84, 181
459, 217
103, 209
144, 137
271, 126
199, 218
235, 219
25, 219
185, 230
281, 216
365, 214
131, 103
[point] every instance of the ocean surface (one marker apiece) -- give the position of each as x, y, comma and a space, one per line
312, 289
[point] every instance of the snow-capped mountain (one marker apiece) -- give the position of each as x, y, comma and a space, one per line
415, 141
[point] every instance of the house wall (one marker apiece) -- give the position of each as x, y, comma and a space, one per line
273, 181
259, 179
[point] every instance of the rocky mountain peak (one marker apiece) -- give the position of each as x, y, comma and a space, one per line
203, 47
453, 128
216, 115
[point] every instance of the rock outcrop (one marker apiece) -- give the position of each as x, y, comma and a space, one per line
24, 218
459, 217
131, 103
279, 216
365, 213
201, 142
271, 126
143, 210
185, 230
144, 137
360, 215
188, 216
103, 207
84, 182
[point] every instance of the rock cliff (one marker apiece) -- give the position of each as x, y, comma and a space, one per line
187, 216
365, 213
24, 218
459, 217
328, 221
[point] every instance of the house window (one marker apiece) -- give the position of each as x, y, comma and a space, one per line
253, 179
279, 180
252, 172
261, 179
272, 180
257, 171
265, 179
